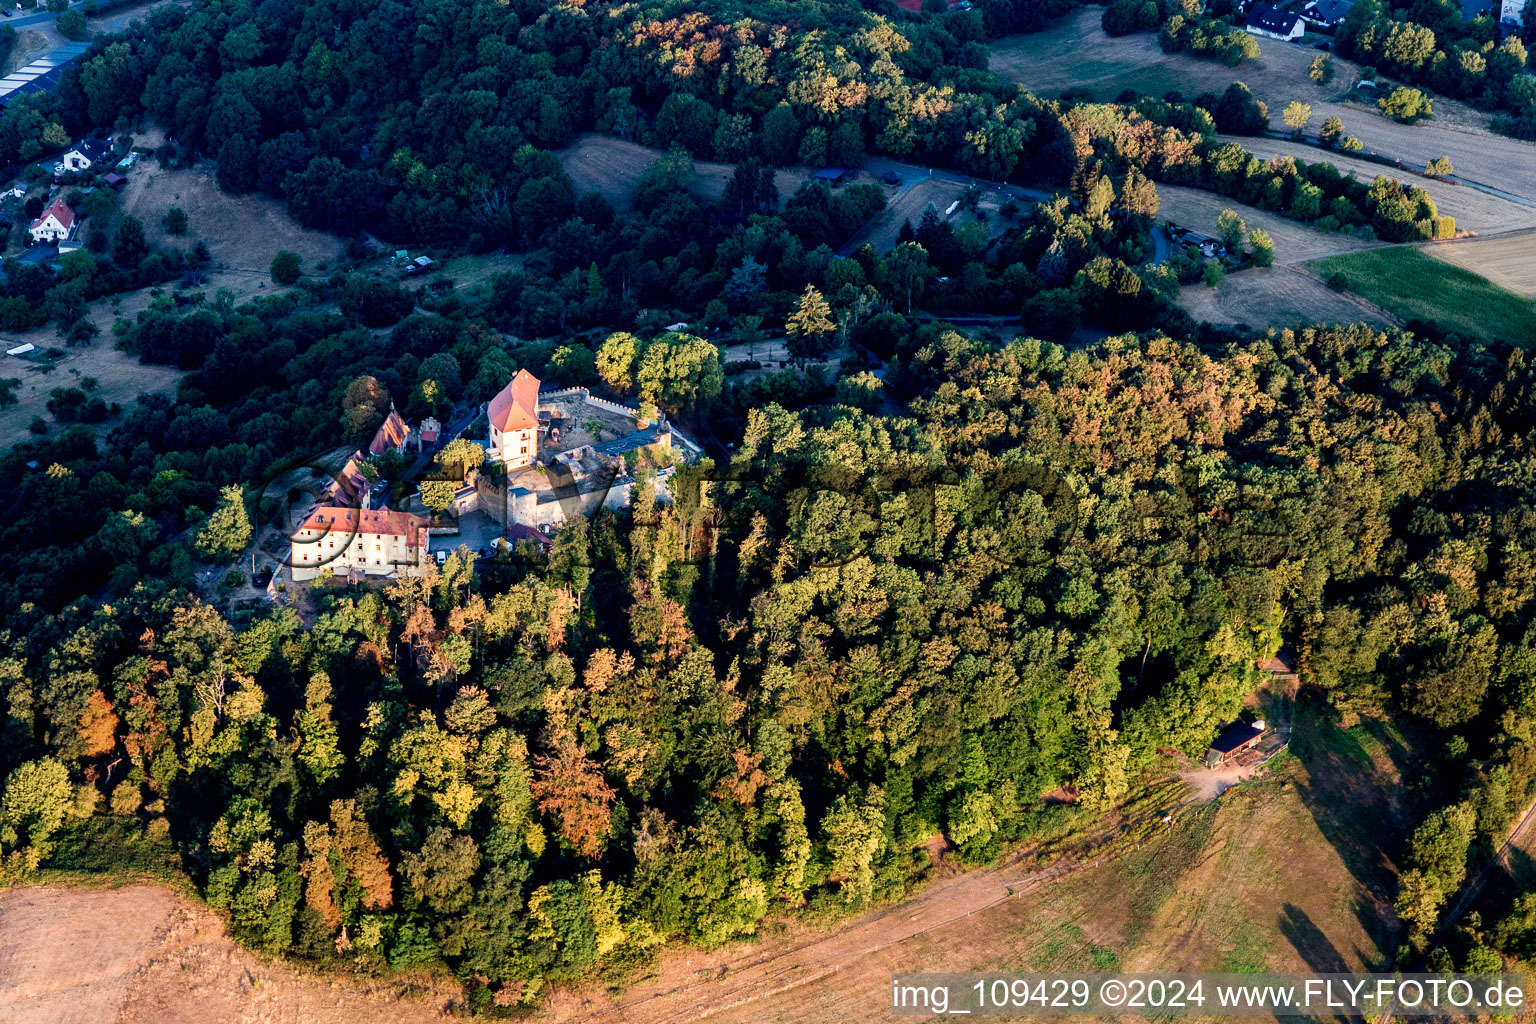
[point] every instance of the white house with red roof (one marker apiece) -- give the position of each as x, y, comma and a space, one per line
514, 416
358, 542
54, 225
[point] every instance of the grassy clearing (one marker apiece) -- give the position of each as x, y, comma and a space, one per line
1413, 285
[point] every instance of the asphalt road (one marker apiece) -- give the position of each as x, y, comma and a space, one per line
29, 19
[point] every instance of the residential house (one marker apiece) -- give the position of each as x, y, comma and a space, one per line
54, 225
358, 542
392, 433
1327, 14
1264, 20
514, 416
86, 154
1234, 741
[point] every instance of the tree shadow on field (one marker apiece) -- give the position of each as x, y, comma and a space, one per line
1349, 782
1315, 948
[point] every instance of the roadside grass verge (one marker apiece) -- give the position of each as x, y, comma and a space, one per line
1415, 286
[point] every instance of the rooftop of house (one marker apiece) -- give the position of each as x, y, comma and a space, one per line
350, 484
1237, 735
59, 210
516, 406
367, 523
91, 149
1328, 11
1270, 19
392, 433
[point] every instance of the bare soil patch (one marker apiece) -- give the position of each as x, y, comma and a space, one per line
1474, 211
143, 954
1075, 52
243, 232
1278, 296
599, 163
1506, 260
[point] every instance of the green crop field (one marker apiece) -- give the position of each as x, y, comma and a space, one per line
1414, 285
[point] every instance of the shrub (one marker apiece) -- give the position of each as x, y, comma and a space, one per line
1337, 281
1405, 104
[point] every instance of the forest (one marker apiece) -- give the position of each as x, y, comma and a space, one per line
899, 606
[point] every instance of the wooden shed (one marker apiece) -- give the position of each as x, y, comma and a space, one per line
1234, 741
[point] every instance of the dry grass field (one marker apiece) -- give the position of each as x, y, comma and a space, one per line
143, 954
598, 163
120, 378
1286, 873
1076, 53
31, 43
1474, 211
1276, 297
1295, 242
243, 232
1508, 261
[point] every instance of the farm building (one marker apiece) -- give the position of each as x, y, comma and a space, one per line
1264, 20
1234, 741
1281, 667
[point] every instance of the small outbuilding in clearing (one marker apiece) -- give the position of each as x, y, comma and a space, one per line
1233, 742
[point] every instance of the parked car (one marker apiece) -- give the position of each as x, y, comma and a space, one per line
891, 178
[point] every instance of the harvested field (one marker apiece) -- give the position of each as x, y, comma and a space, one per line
598, 163
243, 232
1508, 260
1295, 242
144, 954
1075, 52
1474, 211
1276, 296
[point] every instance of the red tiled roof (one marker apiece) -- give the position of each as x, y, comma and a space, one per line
369, 522
59, 209
392, 434
349, 486
522, 531
516, 406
